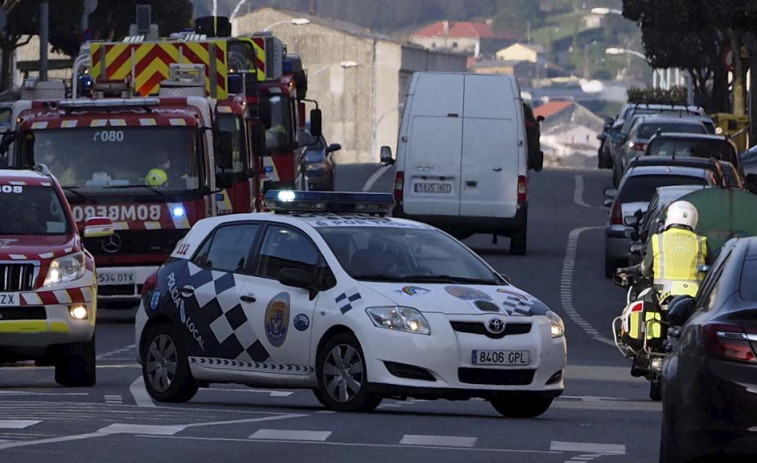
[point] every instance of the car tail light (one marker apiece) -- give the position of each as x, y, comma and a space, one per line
616, 213
150, 284
730, 342
522, 189
636, 146
399, 186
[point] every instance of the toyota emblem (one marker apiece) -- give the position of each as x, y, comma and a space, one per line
112, 244
495, 326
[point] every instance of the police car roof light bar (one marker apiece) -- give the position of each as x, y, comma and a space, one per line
288, 201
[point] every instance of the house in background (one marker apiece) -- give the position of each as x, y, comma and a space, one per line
568, 133
473, 38
523, 52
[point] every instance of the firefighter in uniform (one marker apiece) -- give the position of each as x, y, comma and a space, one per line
677, 254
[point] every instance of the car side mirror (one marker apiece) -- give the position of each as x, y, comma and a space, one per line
611, 192
334, 147
540, 118
386, 156
608, 202
636, 249
98, 227
316, 123
680, 309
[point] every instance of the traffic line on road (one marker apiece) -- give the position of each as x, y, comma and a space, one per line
588, 448
138, 391
123, 350
17, 424
114, 399
438, 441
578, 194
291, 435
566, 286
375, 177
271, 393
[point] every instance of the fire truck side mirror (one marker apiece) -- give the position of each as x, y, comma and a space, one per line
316, 123
224, 147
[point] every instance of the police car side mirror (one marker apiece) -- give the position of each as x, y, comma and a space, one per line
680, 309
98, 227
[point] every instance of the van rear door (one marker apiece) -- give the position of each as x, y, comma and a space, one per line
434, 144
492, 145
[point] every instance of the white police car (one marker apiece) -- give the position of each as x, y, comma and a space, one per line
327, 293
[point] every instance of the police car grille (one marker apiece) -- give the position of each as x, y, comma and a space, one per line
22, 313
480, 328
495, 377
16, 277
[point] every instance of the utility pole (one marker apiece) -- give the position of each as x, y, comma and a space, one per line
44, 28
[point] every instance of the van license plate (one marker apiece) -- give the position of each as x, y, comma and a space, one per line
500, 357
432, 188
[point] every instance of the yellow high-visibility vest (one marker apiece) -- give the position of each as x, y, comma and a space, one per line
678, 255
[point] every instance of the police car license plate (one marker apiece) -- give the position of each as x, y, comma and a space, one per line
10, 299
500, 357
432, 187
115, 278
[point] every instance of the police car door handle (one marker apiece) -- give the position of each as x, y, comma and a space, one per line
187, 291
248, 298
497, 169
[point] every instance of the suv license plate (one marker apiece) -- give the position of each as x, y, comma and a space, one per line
10, 299
115, 278
500, 357
443, 188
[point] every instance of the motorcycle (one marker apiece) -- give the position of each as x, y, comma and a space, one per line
640, 332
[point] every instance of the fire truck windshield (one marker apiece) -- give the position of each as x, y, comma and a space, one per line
278, 137
92, 158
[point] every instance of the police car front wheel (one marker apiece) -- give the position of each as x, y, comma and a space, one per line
342, 376
165, 367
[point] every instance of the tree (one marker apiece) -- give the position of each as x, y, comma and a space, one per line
517, 15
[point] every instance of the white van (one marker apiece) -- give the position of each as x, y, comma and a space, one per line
462, 156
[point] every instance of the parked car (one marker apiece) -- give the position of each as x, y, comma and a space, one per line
748, 162
633, 194
318, 162
642, 226
638, 135
725, 173
709, 379
682, 145
464, 181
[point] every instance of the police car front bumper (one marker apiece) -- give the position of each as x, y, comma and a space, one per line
441, 364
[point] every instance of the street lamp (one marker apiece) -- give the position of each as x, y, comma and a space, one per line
295, 22
623, 51
605, 11
342, 64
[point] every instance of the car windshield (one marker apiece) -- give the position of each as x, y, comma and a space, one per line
405, 255
718, 149
649, 129
120, 157
749, 280
31, 210
641, 188
278, 137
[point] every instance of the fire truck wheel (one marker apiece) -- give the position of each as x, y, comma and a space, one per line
75, 366
165, 366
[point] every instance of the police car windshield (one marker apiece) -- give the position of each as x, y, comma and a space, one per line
31, 210
376, 253
94, 158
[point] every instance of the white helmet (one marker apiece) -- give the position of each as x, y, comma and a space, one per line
682, 213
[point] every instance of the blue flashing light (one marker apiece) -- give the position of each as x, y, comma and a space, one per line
178, 211
287, 201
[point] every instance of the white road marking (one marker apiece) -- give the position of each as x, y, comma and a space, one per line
17, 424
122, 350
260, 391
280, 434
585, 447
25, 393
138, 391
145, 429
438, 441
374, 178
114, 399
52, 440
578, 193
365, 445
566, 286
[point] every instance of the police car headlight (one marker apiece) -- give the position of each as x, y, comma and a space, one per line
556, 325
66, 268
399, 319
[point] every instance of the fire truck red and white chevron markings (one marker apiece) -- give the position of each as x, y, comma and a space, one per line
61, 296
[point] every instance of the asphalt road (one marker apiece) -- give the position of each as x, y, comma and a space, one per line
604, 415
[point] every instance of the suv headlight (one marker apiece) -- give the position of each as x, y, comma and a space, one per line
399, 319
556, 325
66, 268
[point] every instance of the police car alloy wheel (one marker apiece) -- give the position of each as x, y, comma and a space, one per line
521, 406
342, 378
75, 365
165, 368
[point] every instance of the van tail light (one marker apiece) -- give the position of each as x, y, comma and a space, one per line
636, 146
729, 341
522, 189
616, 213
399, 186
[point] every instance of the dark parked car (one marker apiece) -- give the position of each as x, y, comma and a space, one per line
683, 145
318, 162
726, 175
748, 160
709, 383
